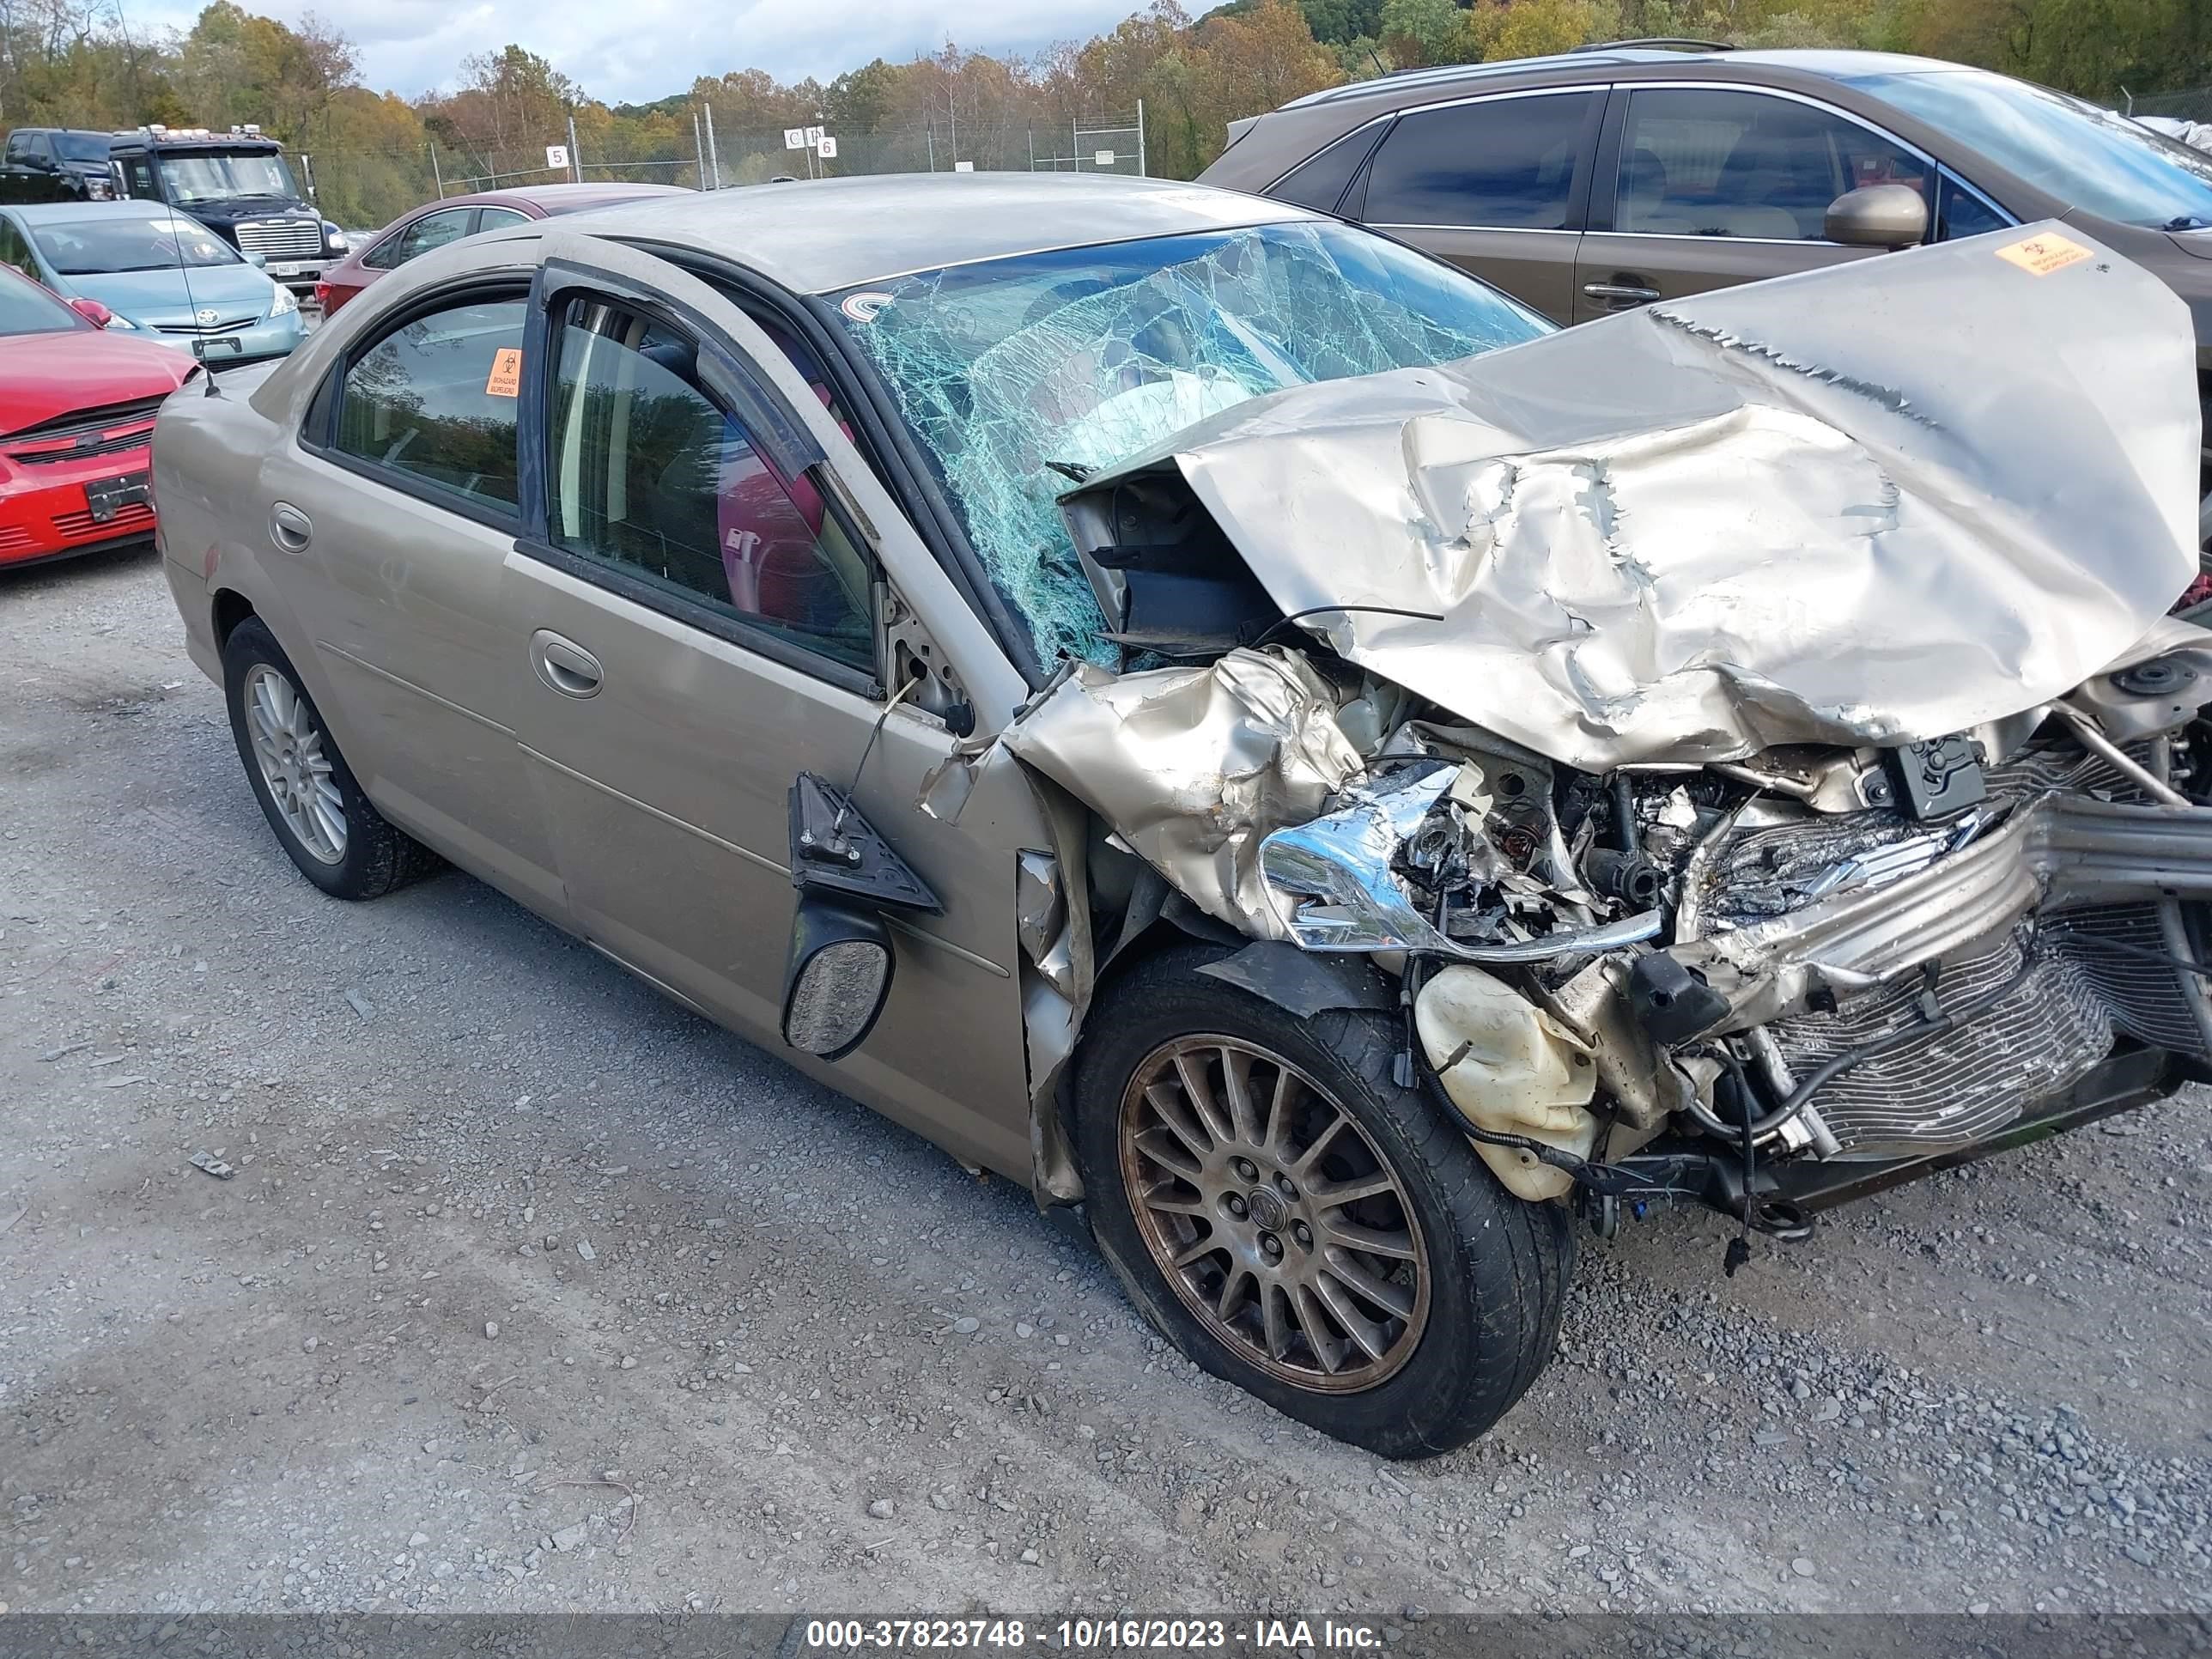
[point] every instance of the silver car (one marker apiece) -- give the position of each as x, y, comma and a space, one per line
1204, 711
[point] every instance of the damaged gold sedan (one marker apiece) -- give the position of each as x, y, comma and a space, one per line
1202, 710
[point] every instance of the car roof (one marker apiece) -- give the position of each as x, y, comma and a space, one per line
818, 236
1599, 63
560, 198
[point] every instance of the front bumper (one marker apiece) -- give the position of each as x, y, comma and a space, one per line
270, 338
47, 513
300, 275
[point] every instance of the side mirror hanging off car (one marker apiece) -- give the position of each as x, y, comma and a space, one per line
1877, 215
838, 977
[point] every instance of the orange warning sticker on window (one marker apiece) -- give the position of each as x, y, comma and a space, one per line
506, 378
2039, 256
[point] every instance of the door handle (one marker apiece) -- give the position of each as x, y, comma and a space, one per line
1628, 292
289, 528
564, 665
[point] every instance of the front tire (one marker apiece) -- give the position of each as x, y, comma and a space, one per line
1297, 1224
338, 839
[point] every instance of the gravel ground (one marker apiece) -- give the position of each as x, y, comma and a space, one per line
532, 1292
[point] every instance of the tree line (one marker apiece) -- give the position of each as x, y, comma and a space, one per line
374, 155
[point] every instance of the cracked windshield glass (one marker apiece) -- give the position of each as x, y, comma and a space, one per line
1020, 375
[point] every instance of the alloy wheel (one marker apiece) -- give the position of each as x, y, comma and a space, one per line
1273, 1215
294, 763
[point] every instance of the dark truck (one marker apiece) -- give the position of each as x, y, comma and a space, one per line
236, 183
56, 164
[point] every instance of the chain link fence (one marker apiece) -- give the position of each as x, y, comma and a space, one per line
2194, 105
365, 189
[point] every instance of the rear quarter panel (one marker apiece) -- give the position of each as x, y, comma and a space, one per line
213, 533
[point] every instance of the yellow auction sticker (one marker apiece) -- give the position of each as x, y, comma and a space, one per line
2039, 256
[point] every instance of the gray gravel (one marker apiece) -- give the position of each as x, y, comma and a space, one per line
527, 1290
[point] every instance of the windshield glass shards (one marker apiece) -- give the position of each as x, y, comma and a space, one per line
1018, 374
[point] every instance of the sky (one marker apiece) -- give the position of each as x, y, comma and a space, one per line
635, 51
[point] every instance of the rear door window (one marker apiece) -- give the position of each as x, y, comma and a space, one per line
1319, 181
1709, 161
430, 231
15, 250
1498, 164
433, 405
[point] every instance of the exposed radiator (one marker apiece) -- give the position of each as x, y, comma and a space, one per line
1967, 1083
2055, 1025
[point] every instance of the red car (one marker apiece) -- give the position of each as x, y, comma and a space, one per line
77, 410
436, 224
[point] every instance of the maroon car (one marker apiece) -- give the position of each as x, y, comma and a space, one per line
436, 224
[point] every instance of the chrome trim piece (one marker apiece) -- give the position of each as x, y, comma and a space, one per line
899, 925
1331, 884
1505, 230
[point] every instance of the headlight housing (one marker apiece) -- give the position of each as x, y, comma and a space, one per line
285, 302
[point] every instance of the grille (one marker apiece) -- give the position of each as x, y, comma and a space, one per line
135, 519
94, 442
285, 238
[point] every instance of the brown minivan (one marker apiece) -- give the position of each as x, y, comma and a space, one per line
1601, 179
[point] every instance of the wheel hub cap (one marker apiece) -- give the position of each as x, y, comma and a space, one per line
1272, 1214
1268, 1211
295, 763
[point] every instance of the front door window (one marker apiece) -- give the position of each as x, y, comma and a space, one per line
653, 477
1708, 161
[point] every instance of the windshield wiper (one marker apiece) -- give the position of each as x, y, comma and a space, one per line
1075, 469
2187, 222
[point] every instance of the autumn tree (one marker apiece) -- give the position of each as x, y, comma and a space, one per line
510, 105
1421, 32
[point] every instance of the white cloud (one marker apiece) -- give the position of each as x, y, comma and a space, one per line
633, 50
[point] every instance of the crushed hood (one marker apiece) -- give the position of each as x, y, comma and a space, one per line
1881, 503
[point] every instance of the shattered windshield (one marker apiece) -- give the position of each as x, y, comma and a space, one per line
1018, 374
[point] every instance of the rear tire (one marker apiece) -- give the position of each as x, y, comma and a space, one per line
1211, 1183
327, 827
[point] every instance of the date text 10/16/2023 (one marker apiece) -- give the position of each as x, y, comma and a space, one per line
1259, 1635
